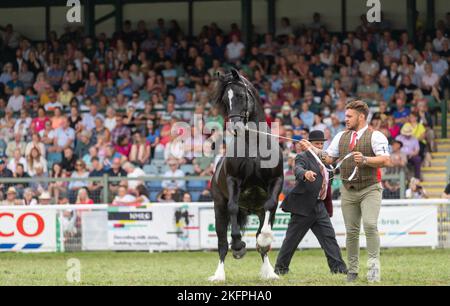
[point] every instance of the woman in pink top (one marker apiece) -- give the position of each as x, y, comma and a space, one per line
393, 128
38, 123
123, 146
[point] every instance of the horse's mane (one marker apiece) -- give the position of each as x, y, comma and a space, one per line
222, 82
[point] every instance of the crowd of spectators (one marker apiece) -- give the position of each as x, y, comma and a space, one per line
80, 107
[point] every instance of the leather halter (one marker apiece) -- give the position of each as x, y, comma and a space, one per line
245, 114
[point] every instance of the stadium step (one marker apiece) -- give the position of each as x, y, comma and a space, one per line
437, 185
434, 193
440, 154
438, 128
443, 147
439, 116
439, 162
439, 134
434, 177
442, 140
434, 169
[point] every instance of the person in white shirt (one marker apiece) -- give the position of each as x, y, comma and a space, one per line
419, 64
17, 101
35, 143
234, 50
439, 41
88, 121
23, 124
440, 66
173, 172
415, 190
64, 137
17, 159
29, 198
123, 197
133, 172
135, 102
362, 152
110, 120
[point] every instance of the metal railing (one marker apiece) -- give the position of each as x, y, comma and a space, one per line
153, 184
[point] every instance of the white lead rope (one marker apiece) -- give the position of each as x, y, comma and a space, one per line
338, 165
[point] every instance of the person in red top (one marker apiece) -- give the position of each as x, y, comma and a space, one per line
38, 123
83, 197
123, 146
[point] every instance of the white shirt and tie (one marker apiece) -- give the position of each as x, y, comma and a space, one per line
380, 147
380, 144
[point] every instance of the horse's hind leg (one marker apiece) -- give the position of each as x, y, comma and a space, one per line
221, 230
237, 245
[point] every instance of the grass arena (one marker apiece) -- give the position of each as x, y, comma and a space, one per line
414, 266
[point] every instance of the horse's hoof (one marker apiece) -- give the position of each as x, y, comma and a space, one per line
269, 276
239, 254
216, 278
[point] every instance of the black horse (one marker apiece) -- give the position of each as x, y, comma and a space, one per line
241, 184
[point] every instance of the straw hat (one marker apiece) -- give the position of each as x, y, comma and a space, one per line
407, 130
45, 196
11, 190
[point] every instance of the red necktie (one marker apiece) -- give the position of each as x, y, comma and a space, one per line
353, 142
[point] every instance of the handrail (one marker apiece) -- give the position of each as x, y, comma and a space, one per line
105, 180
418, 202
12, 180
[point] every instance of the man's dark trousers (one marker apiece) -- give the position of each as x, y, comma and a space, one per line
319, 222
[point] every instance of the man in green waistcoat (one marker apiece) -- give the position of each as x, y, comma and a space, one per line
366, 151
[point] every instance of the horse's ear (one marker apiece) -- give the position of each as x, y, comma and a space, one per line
235, 74
220, 76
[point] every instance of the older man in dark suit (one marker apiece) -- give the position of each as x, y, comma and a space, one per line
310, 206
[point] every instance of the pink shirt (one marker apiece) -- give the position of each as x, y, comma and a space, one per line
39, 124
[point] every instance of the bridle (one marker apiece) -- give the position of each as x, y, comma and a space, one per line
245, 114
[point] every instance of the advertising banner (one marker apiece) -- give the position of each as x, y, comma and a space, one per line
399, 226
168, 227
27, 230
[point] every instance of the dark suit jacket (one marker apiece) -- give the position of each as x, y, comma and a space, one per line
303, 198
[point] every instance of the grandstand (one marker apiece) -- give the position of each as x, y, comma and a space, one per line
82, 104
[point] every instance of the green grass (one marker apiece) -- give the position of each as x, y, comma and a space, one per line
399, 267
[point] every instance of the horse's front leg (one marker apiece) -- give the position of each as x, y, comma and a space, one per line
265, 238
220, 208
237, 245
265, 234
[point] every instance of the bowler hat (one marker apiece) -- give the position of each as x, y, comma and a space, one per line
316, 136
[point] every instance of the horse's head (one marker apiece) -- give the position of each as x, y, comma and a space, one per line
235, 98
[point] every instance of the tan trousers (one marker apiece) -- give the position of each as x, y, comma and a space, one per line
356, 205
